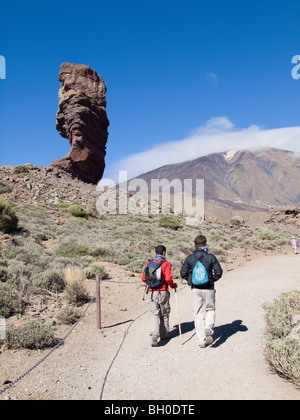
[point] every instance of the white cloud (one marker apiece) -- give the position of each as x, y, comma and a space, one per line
218, 135
212, 77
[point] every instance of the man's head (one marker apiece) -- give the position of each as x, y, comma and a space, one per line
200, 241
160, 250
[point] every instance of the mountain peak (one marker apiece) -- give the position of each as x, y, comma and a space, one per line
240, 181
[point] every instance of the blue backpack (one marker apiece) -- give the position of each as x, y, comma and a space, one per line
200, 275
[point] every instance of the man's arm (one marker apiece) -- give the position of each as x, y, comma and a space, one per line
167, 273
185, 269
217, 269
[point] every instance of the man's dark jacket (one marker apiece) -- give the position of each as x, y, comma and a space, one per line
209, 261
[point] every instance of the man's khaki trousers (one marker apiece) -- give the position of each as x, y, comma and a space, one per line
204, 310
159, 313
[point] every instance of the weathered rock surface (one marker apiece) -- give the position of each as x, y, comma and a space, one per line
286, 217
45, 187
82, 119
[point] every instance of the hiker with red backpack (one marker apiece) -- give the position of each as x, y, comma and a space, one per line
202, 269
157, 275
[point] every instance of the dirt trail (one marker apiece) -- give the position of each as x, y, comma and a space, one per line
233, 368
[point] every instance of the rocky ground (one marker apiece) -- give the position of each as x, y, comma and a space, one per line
44, 186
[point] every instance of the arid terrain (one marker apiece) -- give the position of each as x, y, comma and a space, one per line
232, 368
59, 229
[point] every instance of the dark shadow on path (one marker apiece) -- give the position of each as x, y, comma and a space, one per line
223, 332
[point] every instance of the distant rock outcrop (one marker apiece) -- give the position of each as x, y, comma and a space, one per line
285, 217
82, 119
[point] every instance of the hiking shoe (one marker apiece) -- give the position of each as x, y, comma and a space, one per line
209, 338
154, 340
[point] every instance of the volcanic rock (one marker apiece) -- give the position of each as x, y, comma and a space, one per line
82, 119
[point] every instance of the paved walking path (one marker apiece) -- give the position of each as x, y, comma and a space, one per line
234, 367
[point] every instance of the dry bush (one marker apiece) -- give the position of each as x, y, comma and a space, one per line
76, 292
282, 347
10, 301
31, 335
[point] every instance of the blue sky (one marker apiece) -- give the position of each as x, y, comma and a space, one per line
172, 69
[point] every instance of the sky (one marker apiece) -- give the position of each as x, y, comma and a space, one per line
184, 78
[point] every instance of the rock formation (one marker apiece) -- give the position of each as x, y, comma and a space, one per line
82, 119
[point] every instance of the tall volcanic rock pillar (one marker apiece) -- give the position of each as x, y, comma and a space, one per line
82, 119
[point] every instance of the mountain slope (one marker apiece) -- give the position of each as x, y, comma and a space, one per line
240, 181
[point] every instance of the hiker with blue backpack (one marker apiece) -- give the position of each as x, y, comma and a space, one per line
201, 270
157, 275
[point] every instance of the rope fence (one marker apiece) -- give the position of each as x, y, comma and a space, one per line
60, 343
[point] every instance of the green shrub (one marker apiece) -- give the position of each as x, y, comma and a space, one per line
282, 346
94, 270
74, 250
8, 218
77, 211
171, 222
268, 235
21, 169
280, 313
51, 280
31, 335
5, 187
63, 206
10, 301
74, 209
18, 272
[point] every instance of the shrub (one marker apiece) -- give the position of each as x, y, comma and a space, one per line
5, 187
63, 205
76, 292
17, 273
77, 211
51, 280
101, 251
280, 313
74, 209
66, 315
10, 301
268, 235
171, 222
21, 169
74, 250
282, 346
31, 335
8, 218
93, 270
